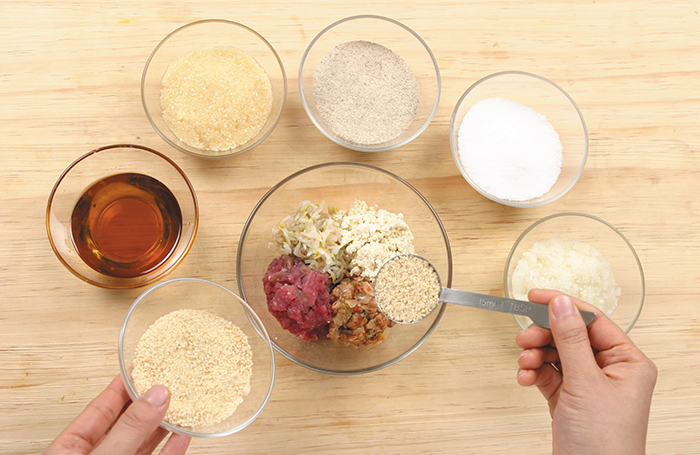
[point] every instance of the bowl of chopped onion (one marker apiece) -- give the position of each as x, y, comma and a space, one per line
214, 88
580, 255
308, 255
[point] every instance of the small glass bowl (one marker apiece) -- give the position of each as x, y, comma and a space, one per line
97, 165
339, 184
605, 238
546, 98
205, 35
393, 35
198, 294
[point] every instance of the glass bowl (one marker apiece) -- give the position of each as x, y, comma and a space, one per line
116, 260
606, 239
198, 294
391, 35
546, 98
339, 184
205, 35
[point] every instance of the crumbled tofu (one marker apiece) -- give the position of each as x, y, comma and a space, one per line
372, 236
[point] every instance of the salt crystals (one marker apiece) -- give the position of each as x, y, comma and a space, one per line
508, 150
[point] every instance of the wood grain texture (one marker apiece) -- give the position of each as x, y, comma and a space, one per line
69, 82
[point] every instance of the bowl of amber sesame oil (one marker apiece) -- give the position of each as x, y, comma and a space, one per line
214, 88
369, 83
122, 216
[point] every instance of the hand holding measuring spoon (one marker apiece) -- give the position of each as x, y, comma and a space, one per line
408, 288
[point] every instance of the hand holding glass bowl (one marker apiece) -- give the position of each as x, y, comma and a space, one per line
201, 295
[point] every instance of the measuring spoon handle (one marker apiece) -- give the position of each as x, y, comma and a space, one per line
538, 312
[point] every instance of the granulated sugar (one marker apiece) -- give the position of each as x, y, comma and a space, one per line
407, 289
509, 150
365, 93
216, 100
205, 361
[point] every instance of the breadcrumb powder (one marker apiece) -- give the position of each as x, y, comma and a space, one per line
407, 289
217, 99
204, 360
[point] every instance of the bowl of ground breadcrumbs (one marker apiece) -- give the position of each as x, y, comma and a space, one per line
308, 256
580, 255
369, 83
214, 88
207, 346
519, 139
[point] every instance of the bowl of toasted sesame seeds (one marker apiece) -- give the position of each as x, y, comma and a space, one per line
214, 88
308, 256
207, 346
369, 83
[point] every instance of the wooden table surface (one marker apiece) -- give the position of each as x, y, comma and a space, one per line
69, 82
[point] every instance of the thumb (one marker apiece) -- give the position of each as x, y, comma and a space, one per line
137, 423
571, 338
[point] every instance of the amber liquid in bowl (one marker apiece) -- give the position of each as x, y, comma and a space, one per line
126, 225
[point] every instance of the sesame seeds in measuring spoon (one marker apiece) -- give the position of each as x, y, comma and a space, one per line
407, 289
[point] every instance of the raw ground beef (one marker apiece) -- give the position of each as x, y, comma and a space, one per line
299, 297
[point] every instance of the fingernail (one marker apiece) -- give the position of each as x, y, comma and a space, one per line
157, 395
563, 306
521, 374
524, 353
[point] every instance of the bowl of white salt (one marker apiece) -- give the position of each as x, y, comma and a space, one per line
583, 256
519, 139
369, 83
214, 88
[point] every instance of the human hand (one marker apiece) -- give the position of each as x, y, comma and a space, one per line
599, 398
113, 425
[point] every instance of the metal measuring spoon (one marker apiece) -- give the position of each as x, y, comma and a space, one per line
407, 289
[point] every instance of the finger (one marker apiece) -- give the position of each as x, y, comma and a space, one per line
533, 337
152, 441
531, 359
571, 337
547, 379
603, 333
88, 429
176, 445
543, 296
527, 378
137, 423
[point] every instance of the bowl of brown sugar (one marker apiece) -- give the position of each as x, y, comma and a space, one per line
214, 88
207, 346
369, 83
